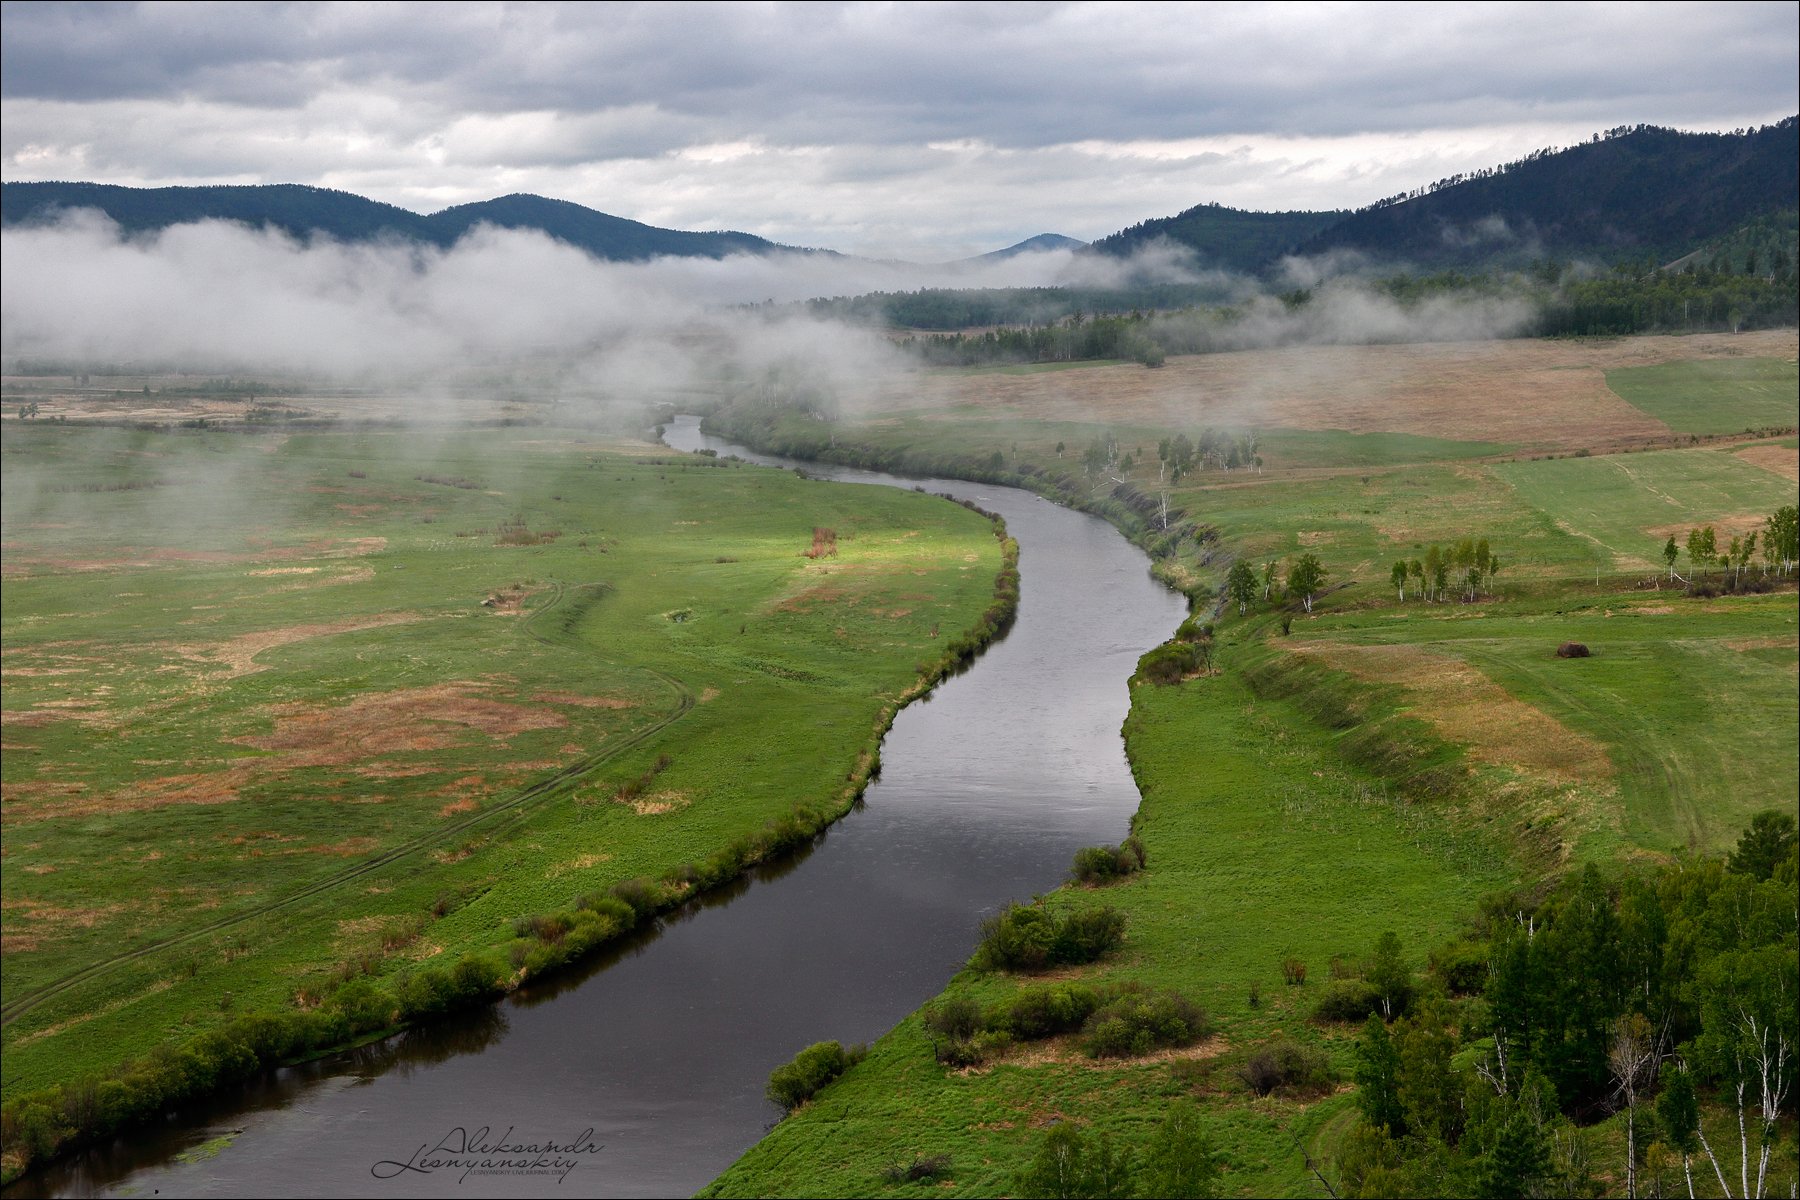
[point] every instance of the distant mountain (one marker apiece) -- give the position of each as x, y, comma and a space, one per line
600, 234
1633, 192
1031, 245
304, 212
1229, 239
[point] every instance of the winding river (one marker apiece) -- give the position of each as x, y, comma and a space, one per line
651, 1061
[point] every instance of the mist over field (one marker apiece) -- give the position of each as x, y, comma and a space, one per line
218, 296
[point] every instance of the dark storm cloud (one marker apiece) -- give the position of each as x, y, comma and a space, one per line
1013, 75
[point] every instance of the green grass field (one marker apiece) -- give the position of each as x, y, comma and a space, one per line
1627, 505
1729, 395
261, 728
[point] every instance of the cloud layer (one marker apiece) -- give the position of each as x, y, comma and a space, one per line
925, 131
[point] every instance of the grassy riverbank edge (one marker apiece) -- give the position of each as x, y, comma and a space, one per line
41, 1126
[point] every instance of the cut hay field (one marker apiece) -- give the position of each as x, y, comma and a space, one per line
286, 710
1380, 764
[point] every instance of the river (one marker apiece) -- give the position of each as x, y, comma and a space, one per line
646, 1067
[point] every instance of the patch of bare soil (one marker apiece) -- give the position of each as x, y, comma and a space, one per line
406, 721
656, 804
238, 655
1533, 392
1783, 460
1724, 528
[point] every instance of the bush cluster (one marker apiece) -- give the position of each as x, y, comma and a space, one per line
798, 1080
1103, 864
1029, 938
1114, 1021
1286, 1066
1138, 1021
1172, 662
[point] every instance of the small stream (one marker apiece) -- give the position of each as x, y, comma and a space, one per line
644, 1069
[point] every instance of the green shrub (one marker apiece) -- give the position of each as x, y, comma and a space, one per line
1348, 1000
1102, 864
1463, 966
1029, 938
1286, 1065
1139, 1021
1172, 661
797, 1081
641, 895
1041, 1012
1019, 938
956, 1017
1088, 934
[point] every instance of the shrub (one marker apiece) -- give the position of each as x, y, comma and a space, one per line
1348, 1000
1088, 934
920, 1169
797, 1081
1171, 662
1138, 1022
1294, 971
1463, 966
363, 1007
611, 908
957, 1017
1287, 1065
1019, 938
1102, 864
640, 895
1041, 1012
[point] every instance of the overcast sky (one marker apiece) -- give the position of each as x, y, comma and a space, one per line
910, 130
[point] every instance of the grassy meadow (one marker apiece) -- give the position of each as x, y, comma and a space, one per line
1378, 765
287, 709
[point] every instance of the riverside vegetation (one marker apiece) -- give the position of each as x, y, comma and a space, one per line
1409, 810
313, 735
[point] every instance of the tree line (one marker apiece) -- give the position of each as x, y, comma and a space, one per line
1666, 999
1780, 537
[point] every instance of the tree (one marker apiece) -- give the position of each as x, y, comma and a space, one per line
1434, 570
1377, 1078
1389, 975
1305, 578
1268, 580
1068, 1166
1416, 569
1397, 577
1761, 848
1059, 1171
1241, 585
1181, 1161
1702, 547
1678, 1110
1781, 537
1749, 1040
1671, 552
1632, 1059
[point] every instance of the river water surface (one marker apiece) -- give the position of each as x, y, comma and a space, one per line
646, 1068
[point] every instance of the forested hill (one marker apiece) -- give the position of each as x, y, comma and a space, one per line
304, 212
1641, 192
1229, 239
